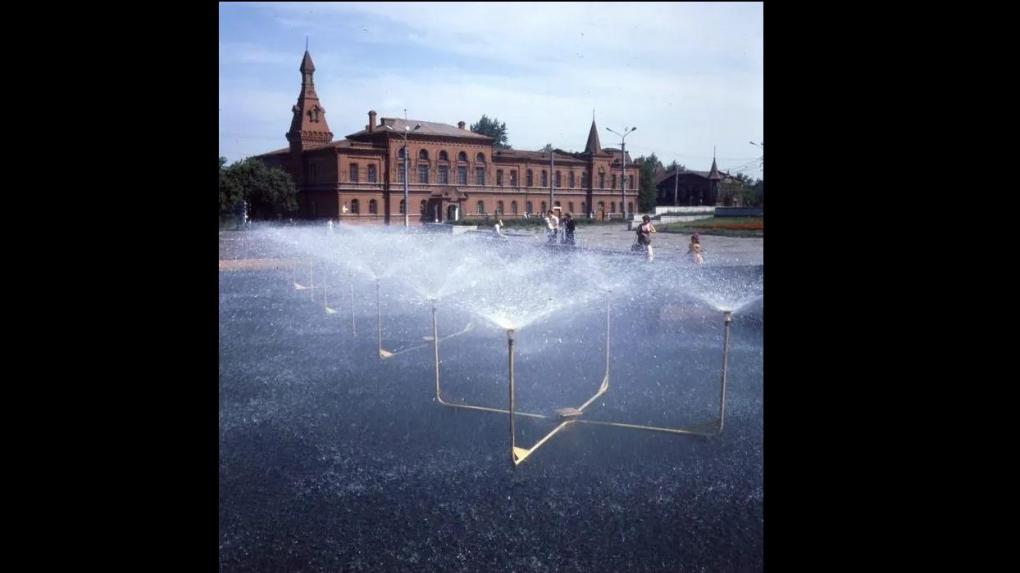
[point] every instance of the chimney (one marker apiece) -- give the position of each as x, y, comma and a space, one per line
371, 121
460, 124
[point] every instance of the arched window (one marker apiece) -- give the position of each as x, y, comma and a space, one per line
528, 208
423, 155
612, 207
499, 177
355, 206
443, 156
630, 181
570, 179
602, 205
559, 182
513, 178
584, 179
545, 178
545, 208
613, 181
462, 157
354, 172
630, 207
400, 153
423, 173
373, 207
513, 207
602, 180
480, 158
371, 174
499, 207
402, 206
480, 208
421, 209
570, 207
584, 207
531, 178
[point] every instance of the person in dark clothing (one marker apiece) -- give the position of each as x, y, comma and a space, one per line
644, 236
568, 229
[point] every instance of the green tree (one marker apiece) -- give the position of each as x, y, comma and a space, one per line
270, 192
494, 129
649, 167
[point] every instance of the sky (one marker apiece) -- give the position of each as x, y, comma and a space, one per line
689, 76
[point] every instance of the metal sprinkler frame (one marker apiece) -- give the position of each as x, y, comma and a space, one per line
573, 415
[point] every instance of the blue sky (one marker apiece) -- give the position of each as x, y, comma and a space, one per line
688, 76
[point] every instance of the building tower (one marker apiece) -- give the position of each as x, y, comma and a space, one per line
308, 128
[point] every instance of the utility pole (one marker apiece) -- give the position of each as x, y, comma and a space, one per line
676, 184
407, 130
552, 165
623, 166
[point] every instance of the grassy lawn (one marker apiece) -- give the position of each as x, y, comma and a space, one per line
728, 226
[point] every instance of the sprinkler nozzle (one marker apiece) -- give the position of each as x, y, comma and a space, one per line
510, 334
728, 316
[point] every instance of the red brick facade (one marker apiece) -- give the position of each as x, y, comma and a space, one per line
452, 172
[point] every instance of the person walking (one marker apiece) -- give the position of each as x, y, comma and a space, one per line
552, 226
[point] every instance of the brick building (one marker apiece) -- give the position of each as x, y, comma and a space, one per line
453, 173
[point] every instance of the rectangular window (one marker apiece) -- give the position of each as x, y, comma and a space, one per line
630, 181
499, 177
400, 173
614, 181
354, 172
584, 179
545, 178
444, 175
479, 176
513, 178
559, 182
570, 179
602, 180
371, 174
531, 178
462, 175
423, 174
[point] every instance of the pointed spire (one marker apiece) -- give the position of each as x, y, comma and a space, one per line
713, 174
308, 127
593, 146
306, 64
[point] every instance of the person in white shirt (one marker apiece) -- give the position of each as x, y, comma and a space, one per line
552, 225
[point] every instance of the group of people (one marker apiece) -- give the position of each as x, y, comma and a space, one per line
552, 228
644, 242
644, 235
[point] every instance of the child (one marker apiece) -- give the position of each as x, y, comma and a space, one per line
694, 250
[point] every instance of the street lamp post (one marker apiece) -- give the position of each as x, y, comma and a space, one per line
407, 206
761, 145
623, 166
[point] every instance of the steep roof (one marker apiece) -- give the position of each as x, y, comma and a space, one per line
593, 146
306, 63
